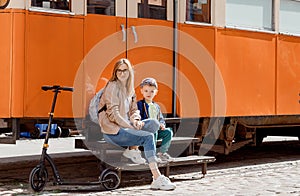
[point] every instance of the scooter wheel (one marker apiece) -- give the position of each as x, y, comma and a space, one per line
38, 178
110, 179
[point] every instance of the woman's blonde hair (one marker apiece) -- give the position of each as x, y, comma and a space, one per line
130, 80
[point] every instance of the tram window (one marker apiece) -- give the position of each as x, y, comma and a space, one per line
289, 17
154, 9
53, 4
105, 7
254, 14
198, 11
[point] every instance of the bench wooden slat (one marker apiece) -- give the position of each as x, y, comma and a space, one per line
194, 159
173, 120
178, 161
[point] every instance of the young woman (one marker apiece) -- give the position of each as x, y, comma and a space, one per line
121, 121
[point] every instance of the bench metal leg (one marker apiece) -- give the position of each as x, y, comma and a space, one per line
167, 170
119, 172
204, 168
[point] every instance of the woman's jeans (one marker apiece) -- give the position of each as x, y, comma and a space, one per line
133, 137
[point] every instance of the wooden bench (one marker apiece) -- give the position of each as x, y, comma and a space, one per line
103, 149
106, 151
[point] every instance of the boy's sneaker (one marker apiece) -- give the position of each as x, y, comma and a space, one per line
164, 156
162, 183
134, 155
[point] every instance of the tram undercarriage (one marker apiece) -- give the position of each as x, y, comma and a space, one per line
226, 135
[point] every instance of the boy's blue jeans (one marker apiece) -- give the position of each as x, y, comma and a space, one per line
133, 137
166, 137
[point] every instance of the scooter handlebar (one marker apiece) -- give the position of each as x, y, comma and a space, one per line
57, 87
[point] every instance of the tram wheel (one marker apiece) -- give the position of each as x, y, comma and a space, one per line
38, 178
110, 179
65, 132
35, 134
57, 132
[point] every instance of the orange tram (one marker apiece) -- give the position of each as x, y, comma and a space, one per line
228, 71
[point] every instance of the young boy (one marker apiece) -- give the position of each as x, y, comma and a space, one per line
149, 109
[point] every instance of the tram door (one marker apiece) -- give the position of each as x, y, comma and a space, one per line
150, 45
140, 30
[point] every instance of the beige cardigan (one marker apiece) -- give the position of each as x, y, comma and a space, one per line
115, 115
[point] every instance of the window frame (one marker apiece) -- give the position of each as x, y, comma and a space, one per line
208, 14
144, 7
51, 10
272, 22
90, 4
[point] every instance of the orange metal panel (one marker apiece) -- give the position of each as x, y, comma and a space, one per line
288, 75
18, 60
54, 51
97, 27
195, 89
5, 63
196, 70
247, 63
151, 55
204, 35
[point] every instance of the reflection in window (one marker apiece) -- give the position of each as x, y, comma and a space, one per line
105, 7
154, 9
52, 4
198, 11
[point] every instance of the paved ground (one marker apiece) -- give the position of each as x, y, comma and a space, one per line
274, 170
266, 179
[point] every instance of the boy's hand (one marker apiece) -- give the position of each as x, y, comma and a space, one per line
162, 127
138, 124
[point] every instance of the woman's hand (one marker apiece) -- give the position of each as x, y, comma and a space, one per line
138, 124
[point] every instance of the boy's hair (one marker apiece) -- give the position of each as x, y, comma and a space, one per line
149, 82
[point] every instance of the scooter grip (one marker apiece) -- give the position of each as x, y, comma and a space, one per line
46, 88
67, 89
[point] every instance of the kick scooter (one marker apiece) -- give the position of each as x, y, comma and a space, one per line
39, 174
